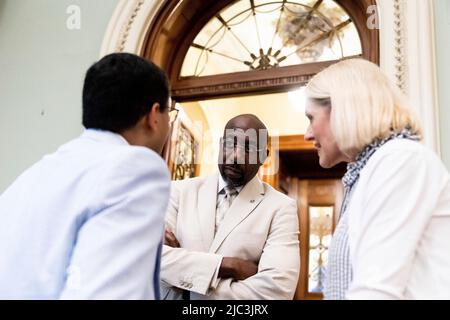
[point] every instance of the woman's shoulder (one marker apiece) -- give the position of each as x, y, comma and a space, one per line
409, 151
406, 148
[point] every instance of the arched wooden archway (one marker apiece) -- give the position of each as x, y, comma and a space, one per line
178, 22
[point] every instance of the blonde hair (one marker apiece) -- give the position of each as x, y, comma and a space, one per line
365, 105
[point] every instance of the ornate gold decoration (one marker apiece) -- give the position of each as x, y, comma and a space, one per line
185, 155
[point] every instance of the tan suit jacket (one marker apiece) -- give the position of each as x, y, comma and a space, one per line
261, 225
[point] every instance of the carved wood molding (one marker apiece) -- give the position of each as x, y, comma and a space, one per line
249, 82
251, 86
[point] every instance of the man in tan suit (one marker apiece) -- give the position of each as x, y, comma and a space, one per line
229, 235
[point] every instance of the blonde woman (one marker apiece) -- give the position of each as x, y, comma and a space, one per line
393, 236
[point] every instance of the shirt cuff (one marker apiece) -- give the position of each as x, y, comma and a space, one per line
215, 278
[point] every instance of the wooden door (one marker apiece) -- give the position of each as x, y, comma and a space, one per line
318, 208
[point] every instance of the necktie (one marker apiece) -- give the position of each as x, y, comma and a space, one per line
225, 204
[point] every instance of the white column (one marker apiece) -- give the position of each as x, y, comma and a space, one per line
407, 51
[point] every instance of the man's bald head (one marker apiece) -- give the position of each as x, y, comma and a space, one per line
245, 122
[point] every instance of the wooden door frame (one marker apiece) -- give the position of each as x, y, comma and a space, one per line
301, 188
304, 202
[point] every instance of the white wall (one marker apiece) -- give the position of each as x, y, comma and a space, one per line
42, 66
442, 24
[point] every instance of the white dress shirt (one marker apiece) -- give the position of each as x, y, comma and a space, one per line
84, 222
399, 225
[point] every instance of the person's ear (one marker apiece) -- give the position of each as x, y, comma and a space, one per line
153, 117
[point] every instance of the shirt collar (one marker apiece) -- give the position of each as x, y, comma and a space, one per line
222, 184
104, 136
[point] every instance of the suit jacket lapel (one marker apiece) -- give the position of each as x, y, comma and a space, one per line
244, 204
207, 198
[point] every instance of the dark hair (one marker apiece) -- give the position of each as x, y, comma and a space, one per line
120, 89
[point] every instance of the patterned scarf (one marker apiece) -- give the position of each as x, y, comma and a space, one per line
339, 273
354, 168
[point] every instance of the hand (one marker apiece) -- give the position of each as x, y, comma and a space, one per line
237, 269
170, 240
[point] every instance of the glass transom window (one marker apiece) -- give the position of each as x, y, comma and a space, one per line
263, 34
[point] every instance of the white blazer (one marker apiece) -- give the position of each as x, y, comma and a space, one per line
84, 222
261, 225
399, 225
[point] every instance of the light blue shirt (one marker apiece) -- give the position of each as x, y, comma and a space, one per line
85, 222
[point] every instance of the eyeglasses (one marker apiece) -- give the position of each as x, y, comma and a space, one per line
173, 114
248, 147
